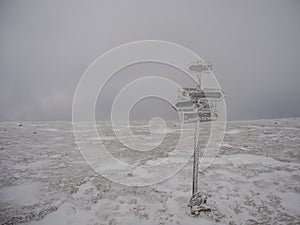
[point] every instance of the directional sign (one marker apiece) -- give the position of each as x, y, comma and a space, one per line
184, 105
209, 94
207, 116
200, 67
214, 94
190, 117
198, 104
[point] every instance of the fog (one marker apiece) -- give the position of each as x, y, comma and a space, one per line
45, 47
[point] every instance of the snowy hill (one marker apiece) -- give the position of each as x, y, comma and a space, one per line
44, 179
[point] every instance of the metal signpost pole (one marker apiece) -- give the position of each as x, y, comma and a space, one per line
196, 159
198, 105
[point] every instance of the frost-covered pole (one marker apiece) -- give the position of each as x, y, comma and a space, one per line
198, 104
196, 146
196, 159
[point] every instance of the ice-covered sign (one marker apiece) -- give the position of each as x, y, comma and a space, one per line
190, 117
184, 105
200, 67
206, 93
197, 103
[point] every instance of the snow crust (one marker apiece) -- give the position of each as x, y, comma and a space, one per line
44, 180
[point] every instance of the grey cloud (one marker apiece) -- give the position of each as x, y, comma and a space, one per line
45, 46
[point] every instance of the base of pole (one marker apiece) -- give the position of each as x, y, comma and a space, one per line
197, 204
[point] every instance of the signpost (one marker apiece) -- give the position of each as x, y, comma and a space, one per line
184, 105
198, 105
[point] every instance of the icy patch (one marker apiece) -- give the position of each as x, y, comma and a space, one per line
227, 145
291, 202
103, 138
243, 159
65, 215
49, 129
23, 194
233, 131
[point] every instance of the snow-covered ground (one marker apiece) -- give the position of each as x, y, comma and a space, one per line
255, 179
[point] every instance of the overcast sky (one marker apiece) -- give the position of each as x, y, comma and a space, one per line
45, 46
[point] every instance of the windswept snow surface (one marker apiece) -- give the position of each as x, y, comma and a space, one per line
255, 178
